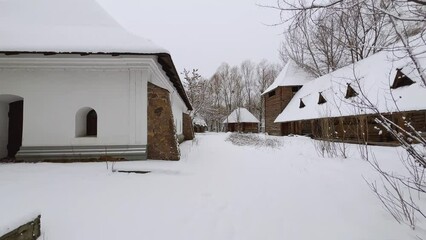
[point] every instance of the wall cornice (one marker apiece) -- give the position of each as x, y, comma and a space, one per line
75, 62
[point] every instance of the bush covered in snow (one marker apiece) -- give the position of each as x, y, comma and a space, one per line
258, 140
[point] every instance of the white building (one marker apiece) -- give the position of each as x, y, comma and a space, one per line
75, 83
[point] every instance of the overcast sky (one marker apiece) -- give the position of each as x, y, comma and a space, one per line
203, 34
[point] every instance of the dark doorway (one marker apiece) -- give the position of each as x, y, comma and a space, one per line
285, 129
16, 114
92, 123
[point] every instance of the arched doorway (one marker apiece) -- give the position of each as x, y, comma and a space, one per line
11, 122
92, 123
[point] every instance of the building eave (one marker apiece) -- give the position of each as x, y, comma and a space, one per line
164, 59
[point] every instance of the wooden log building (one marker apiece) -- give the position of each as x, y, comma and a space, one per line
241, 120
345, 104
280, 93
199, 124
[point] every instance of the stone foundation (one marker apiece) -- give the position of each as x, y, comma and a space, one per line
162, 142
28, 231
188, 129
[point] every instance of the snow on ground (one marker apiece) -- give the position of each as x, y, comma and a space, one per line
217, 191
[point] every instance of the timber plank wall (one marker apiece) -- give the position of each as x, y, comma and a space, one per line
360, 128
243, 127
275, 102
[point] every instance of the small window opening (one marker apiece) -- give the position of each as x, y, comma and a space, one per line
271, 93
401, 80
321, 99
86, 122
302, 104
92, 123
350, 92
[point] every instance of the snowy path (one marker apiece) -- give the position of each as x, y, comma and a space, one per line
217, 191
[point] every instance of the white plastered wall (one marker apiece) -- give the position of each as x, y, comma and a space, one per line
53, 95
178, 108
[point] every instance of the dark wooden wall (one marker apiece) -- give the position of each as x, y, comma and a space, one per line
199, 128
360, 128
243, 127
274, 105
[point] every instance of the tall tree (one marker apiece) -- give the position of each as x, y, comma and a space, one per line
195, 87
247, 73
324, 36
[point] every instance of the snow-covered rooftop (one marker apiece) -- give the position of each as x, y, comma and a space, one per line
375, 75
241, 115
74, 26
64, 26
291, 75
199, 121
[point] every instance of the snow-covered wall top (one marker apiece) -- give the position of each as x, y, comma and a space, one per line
291, 75
65, 26
241, 115
371, 78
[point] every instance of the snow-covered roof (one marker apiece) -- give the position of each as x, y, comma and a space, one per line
291, 75
65, 26
374, 75
74, 26
241, 115
199, 121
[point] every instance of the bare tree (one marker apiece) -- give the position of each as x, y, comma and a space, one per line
229, 88
248, 73
323, 36
359, 28
224, 74
195, 87
265, 75
399, 194
238, 93
215, 114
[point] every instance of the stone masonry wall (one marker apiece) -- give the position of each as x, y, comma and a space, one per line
188, 129
162, 142
28, 231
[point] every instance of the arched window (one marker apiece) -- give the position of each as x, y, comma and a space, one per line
92, 123
86, 123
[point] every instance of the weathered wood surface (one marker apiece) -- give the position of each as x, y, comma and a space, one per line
360, 128
274, 105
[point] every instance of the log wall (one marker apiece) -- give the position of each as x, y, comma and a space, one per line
274, 105
360, 128
243, 127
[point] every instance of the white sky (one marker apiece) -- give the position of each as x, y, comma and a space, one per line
203, 34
